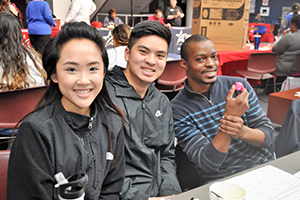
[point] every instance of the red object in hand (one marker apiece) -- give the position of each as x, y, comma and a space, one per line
239, 86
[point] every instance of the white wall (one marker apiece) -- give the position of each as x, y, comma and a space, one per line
99, 4
60, 9
189, 13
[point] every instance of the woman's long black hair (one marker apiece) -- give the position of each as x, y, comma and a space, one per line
51, 55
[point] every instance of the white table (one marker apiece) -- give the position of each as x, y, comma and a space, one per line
289, 163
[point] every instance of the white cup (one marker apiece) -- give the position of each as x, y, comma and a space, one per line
226, 191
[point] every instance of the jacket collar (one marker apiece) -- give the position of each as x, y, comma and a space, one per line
74, 120
123, 88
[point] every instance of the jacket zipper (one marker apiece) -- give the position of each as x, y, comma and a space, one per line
93, 161
153, 164
143, 106
204, 97
90, 126
93, 164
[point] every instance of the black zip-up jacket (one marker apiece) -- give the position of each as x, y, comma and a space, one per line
149, 139
52, 140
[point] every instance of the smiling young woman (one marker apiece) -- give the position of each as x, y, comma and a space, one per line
75, 127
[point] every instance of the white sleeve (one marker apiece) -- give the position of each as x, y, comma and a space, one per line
73, 10
93, 8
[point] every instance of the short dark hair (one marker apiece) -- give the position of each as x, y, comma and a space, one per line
112, 10
184, 51
296, 20
295, 6
157, 11
149, 27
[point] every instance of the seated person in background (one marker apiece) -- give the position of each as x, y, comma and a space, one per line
158, 17
259, 18
75, 128
285, 24
287, 47
149, 135
121, 35
112, 19
80, 11
20, 66
222, 131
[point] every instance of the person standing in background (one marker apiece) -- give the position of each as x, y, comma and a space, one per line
112, 18
174, 14
39, 20
80, 11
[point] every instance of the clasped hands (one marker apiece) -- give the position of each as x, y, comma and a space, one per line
178, 14
232, 124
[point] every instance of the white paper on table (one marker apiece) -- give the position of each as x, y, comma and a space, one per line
269, 183
297, 174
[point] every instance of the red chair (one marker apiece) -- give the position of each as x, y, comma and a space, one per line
259, 67
97, 24
172, 78
14, 105
26, 36
4, 157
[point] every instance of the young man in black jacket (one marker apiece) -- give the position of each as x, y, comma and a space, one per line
149, 135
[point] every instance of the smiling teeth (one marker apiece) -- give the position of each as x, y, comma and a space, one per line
148, 70
82, 91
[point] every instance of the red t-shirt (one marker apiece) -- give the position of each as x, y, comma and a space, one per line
161, 20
